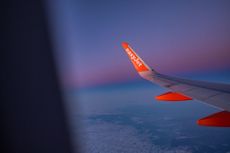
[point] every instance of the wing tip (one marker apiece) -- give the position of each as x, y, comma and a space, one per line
124, 45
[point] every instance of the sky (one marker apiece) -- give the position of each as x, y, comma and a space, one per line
183, 38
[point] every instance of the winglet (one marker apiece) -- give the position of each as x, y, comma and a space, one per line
138, 63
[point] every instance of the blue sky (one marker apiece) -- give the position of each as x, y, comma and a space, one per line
185, 38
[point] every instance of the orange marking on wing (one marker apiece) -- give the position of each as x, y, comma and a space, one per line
138, 64
220, 119
125, 45
172, 96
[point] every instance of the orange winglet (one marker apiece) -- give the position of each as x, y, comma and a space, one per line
172, 96
139, 65
220, 119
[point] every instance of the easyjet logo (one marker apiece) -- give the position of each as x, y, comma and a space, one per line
133, 57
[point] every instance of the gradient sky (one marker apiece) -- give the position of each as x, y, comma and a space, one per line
174, 37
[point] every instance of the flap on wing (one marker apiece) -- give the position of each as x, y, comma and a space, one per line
172, 96
220, 119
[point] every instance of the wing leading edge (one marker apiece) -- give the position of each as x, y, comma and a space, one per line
214, 94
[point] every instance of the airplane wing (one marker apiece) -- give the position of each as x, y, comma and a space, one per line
215, 94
